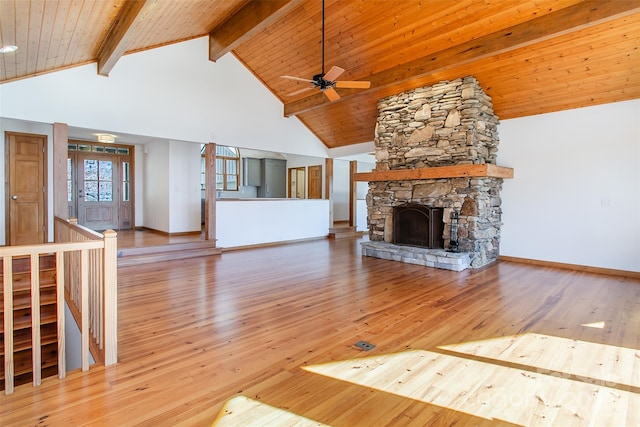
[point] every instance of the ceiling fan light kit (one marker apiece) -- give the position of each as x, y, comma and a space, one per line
327, 82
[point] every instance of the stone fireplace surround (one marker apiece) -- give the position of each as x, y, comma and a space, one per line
436, 146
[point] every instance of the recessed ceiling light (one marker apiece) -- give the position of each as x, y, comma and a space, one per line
106, 138
7, 49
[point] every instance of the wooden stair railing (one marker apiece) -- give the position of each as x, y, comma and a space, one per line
86, 273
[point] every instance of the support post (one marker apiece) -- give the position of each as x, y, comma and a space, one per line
110, 299
36, 341
60, 142
84, 309
62, 359
328, 176
353, 169
210, 192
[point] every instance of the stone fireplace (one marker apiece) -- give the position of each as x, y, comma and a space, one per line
434, 196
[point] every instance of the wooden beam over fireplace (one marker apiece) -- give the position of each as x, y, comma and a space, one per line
456, 171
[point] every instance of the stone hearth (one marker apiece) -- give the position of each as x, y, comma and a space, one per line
437, 128
439, 258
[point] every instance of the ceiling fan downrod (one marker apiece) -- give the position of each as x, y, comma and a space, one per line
328, 82
322, 44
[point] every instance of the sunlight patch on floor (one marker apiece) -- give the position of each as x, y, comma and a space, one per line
488, 390
595, 363
595, 325
242, 411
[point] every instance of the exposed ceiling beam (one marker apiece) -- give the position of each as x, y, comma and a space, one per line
120, 35
570, 19
245, 23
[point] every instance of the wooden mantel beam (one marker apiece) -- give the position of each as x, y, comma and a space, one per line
245, 23
120, 35
456, 171
564, 21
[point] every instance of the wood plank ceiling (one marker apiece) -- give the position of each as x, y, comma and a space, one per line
531, 56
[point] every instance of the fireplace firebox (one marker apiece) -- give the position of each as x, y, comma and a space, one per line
418, 225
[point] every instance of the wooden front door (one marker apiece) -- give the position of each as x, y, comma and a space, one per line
315, 182
26, 188
98, 191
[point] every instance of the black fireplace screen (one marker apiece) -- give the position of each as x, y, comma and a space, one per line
418, 225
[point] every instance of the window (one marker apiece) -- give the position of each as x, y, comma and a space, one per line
203, 171
126, 182
98, 180
227, 168
69, 180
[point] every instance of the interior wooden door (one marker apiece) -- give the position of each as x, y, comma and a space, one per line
26, 189
98, 191
315, 182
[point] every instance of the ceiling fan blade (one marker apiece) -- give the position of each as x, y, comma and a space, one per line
333, 73
331, 94
354, 84
300, 79
296, 92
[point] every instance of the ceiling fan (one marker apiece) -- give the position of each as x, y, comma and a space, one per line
327, 82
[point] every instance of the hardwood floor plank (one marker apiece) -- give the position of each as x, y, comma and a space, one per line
195, 333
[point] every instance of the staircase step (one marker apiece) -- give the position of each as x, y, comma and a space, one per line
149, 254
341, 232
22, 337
23, 299
23, 264
22, 317
22, 281
22, 359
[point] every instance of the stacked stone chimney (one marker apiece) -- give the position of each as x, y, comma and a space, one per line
449, 123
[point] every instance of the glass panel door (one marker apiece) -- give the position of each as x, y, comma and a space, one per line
97, 198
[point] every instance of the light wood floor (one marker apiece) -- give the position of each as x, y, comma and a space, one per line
145, 237
266, 336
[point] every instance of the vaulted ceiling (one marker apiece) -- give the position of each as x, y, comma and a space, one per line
530, 56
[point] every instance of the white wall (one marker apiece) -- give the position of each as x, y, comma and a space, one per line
362, 188
254, 222
156, 182
171, 191
184, 187
575, 196
139, 176
340, 190
353, 152
73, 342
172, 92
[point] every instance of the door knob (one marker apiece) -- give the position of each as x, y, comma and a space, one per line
14, 197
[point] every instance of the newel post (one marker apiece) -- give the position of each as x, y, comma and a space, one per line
110, 301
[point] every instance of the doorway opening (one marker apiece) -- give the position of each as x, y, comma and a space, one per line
297, 179
100, 185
